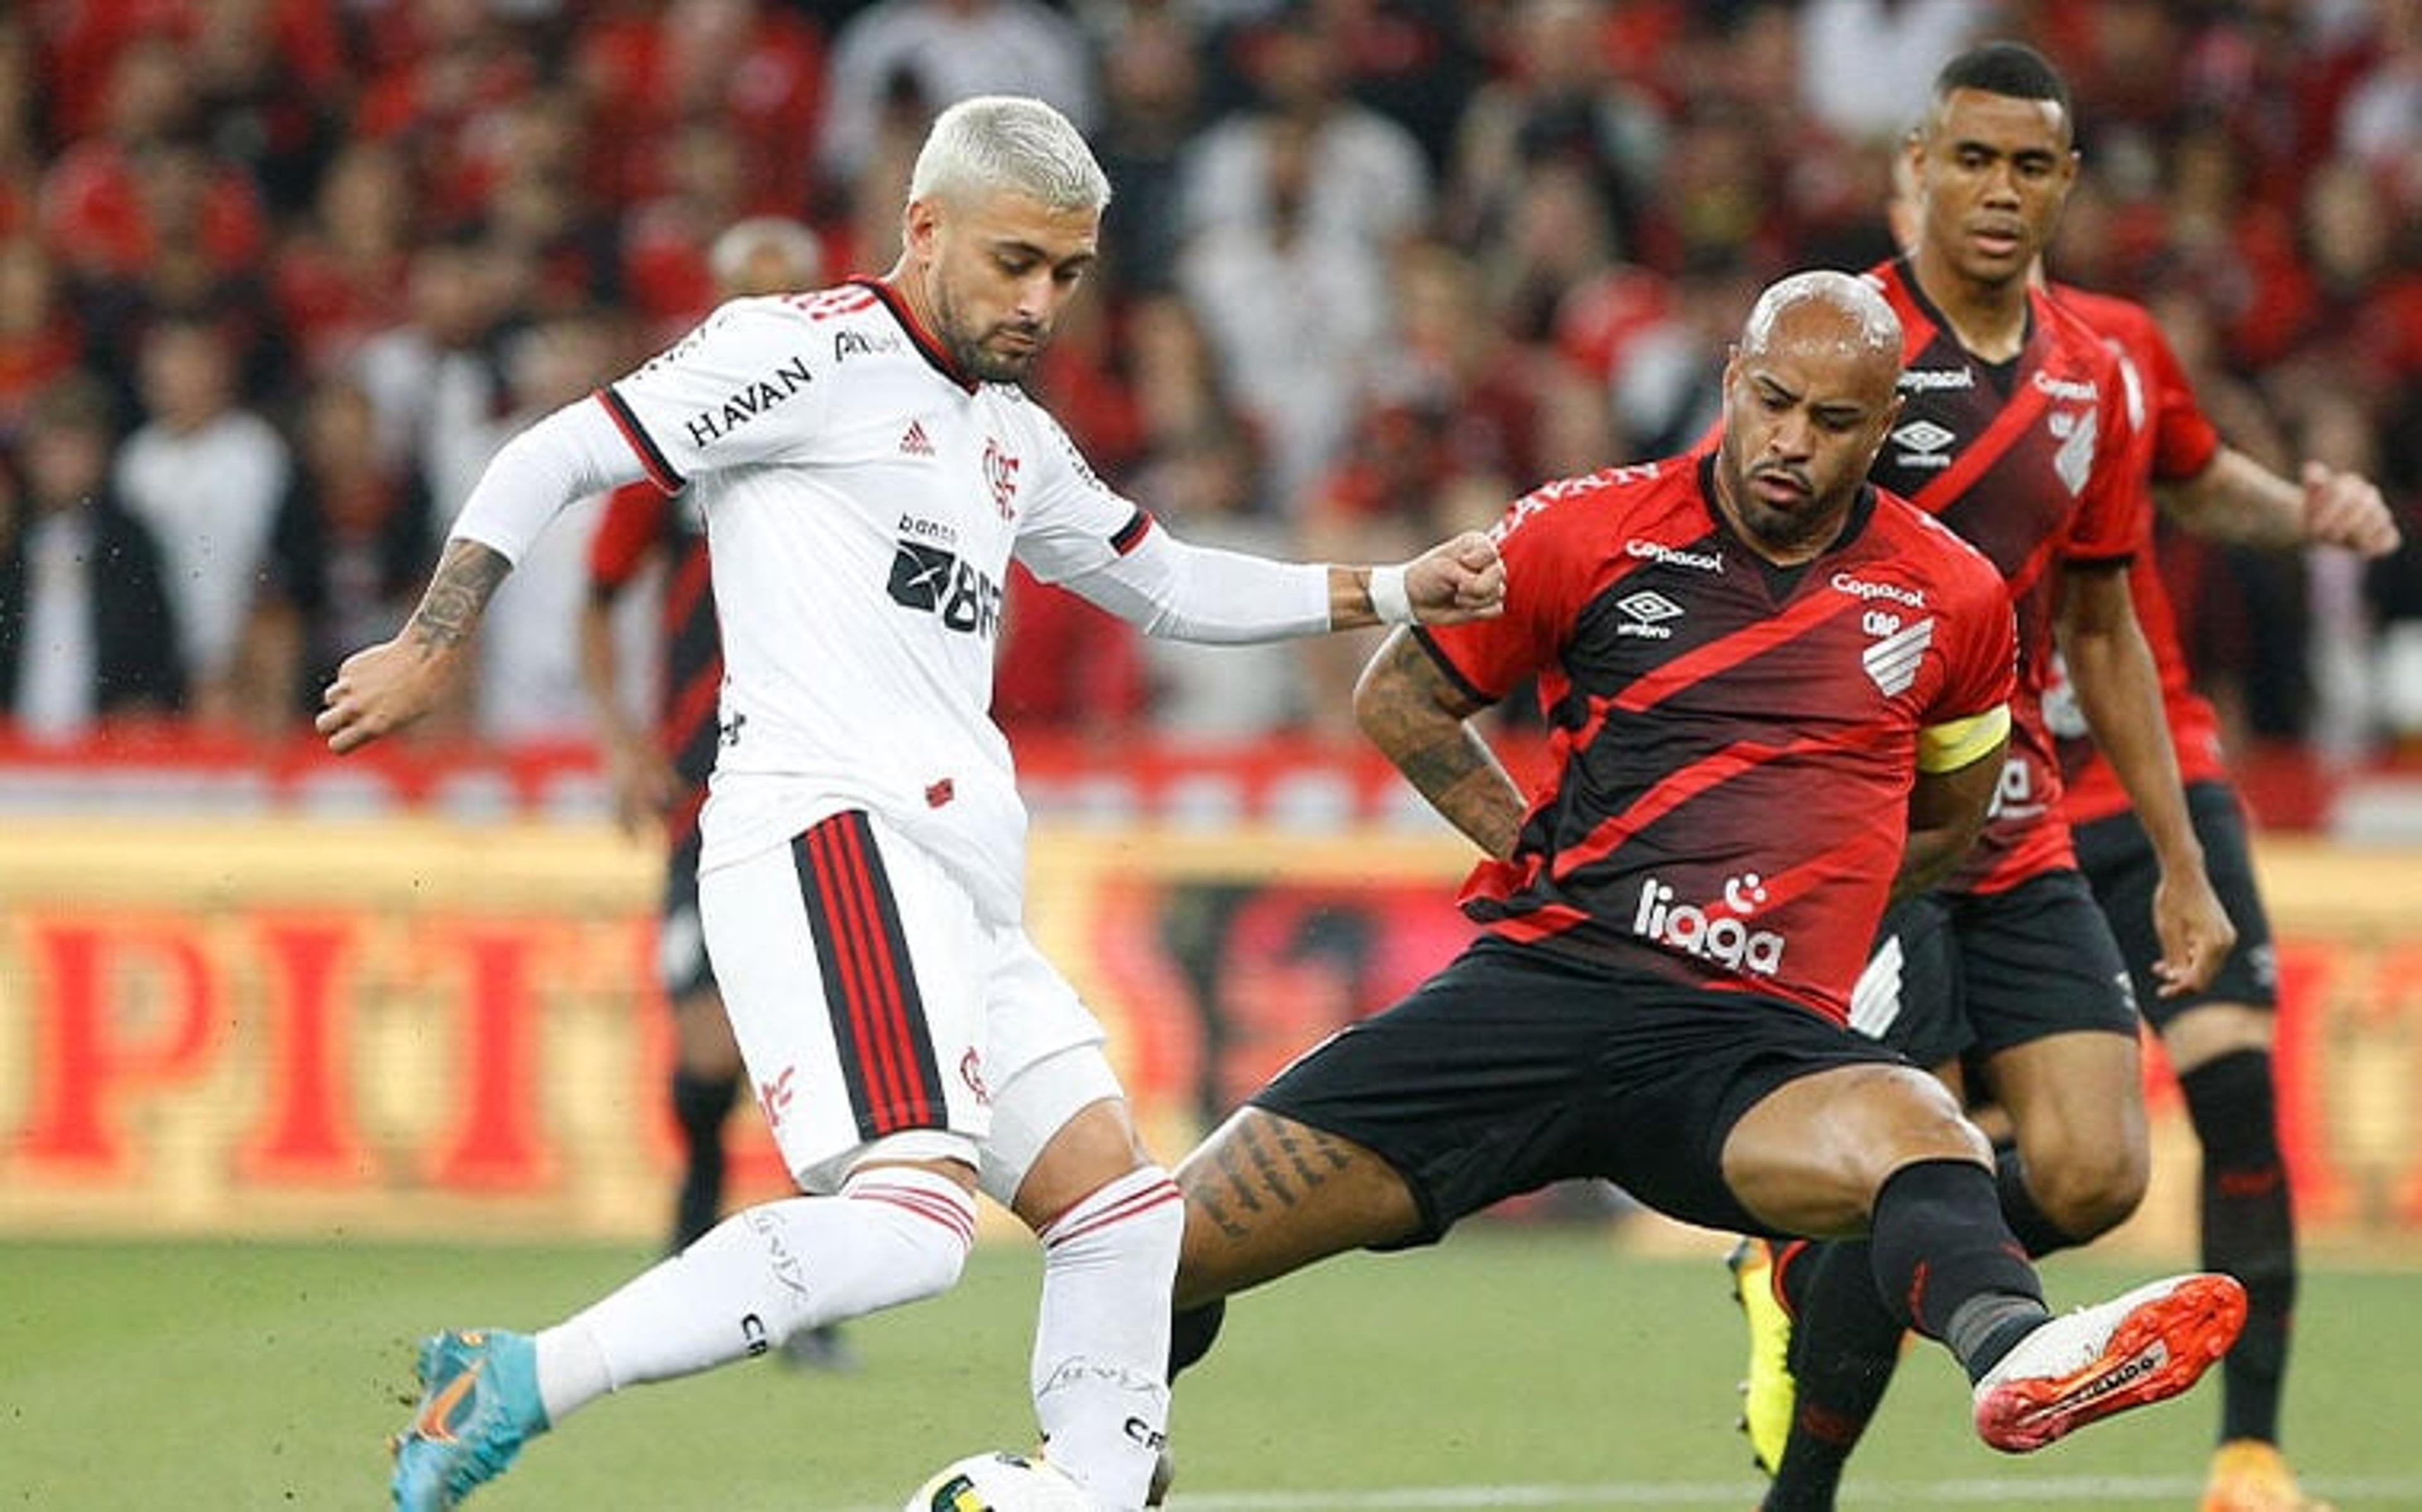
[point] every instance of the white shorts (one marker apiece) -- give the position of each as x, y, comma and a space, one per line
874, 1006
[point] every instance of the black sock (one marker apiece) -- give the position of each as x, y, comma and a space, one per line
2039, 1234
1941, 1242
1794, 1262
1844, 1346
2249, 1230
700, 1105
1191, 1333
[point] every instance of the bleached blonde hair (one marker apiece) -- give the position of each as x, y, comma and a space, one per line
992, 143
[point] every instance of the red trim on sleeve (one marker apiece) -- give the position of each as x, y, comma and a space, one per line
659, 471
1131, 535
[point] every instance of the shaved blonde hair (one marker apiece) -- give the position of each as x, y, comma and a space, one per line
995, 143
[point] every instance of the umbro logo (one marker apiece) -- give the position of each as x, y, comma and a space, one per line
1647, 612
1922, 442
915, 444
1923, 435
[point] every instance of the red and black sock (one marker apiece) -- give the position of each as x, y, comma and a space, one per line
2249, 1229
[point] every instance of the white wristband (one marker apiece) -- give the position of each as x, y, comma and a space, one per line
1389, 599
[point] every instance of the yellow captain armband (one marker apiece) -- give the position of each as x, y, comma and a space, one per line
1949, 747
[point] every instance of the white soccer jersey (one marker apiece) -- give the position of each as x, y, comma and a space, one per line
862, 503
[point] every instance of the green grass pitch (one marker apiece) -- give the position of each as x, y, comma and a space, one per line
1517, 1366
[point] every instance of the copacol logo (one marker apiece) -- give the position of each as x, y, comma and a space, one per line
1723, 936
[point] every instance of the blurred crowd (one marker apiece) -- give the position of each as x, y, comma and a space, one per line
277, 276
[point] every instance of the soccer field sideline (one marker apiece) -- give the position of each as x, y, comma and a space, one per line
2082, 1491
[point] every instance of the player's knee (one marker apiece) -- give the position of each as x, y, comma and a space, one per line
1924, 1123
925, 1225
2090, 1191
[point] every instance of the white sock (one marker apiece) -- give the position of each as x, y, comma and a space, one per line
1101, 1344
894, 1234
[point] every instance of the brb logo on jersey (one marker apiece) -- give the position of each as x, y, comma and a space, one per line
931, 577
1720, 934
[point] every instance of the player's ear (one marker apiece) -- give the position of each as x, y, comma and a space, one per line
920, 227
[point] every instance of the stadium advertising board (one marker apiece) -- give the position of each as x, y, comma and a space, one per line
417, 1027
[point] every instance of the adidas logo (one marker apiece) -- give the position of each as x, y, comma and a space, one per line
914, 443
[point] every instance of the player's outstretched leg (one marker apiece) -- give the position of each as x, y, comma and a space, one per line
478, 1404
2144, 1347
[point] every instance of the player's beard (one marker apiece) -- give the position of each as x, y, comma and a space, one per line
975, 354
1812, 521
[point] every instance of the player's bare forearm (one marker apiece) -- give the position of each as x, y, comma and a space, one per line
1946, 813
1420, 720
382, 688
2239, 500
459, 591
2118, 690
643, 781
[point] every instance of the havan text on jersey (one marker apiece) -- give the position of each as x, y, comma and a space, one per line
747, 402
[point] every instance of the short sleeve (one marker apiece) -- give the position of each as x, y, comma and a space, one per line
743, 387
2184, 439
1982, 670
2108, 526
1545, 539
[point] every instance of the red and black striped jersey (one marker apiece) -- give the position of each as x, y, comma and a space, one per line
1732, 744
2173, 441
2028, 460
642, 524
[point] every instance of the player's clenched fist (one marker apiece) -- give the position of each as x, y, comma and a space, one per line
1456, 579
2346, 510
382, 687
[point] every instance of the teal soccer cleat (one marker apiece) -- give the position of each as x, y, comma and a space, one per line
479, 1404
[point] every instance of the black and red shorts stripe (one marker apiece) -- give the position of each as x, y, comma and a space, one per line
870, 977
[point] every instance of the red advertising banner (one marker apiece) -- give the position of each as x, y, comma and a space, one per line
416, 1026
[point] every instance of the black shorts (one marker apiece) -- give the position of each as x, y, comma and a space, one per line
682, 966
1955, 973
1516, 1067
2117, 859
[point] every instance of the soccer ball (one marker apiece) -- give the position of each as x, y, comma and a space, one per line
1000, 1482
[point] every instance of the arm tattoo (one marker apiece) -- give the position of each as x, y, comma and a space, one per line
1417, 717
458, 594
1440, 766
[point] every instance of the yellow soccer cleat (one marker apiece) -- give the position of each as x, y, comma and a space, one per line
1769, 1394
2249, 1475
